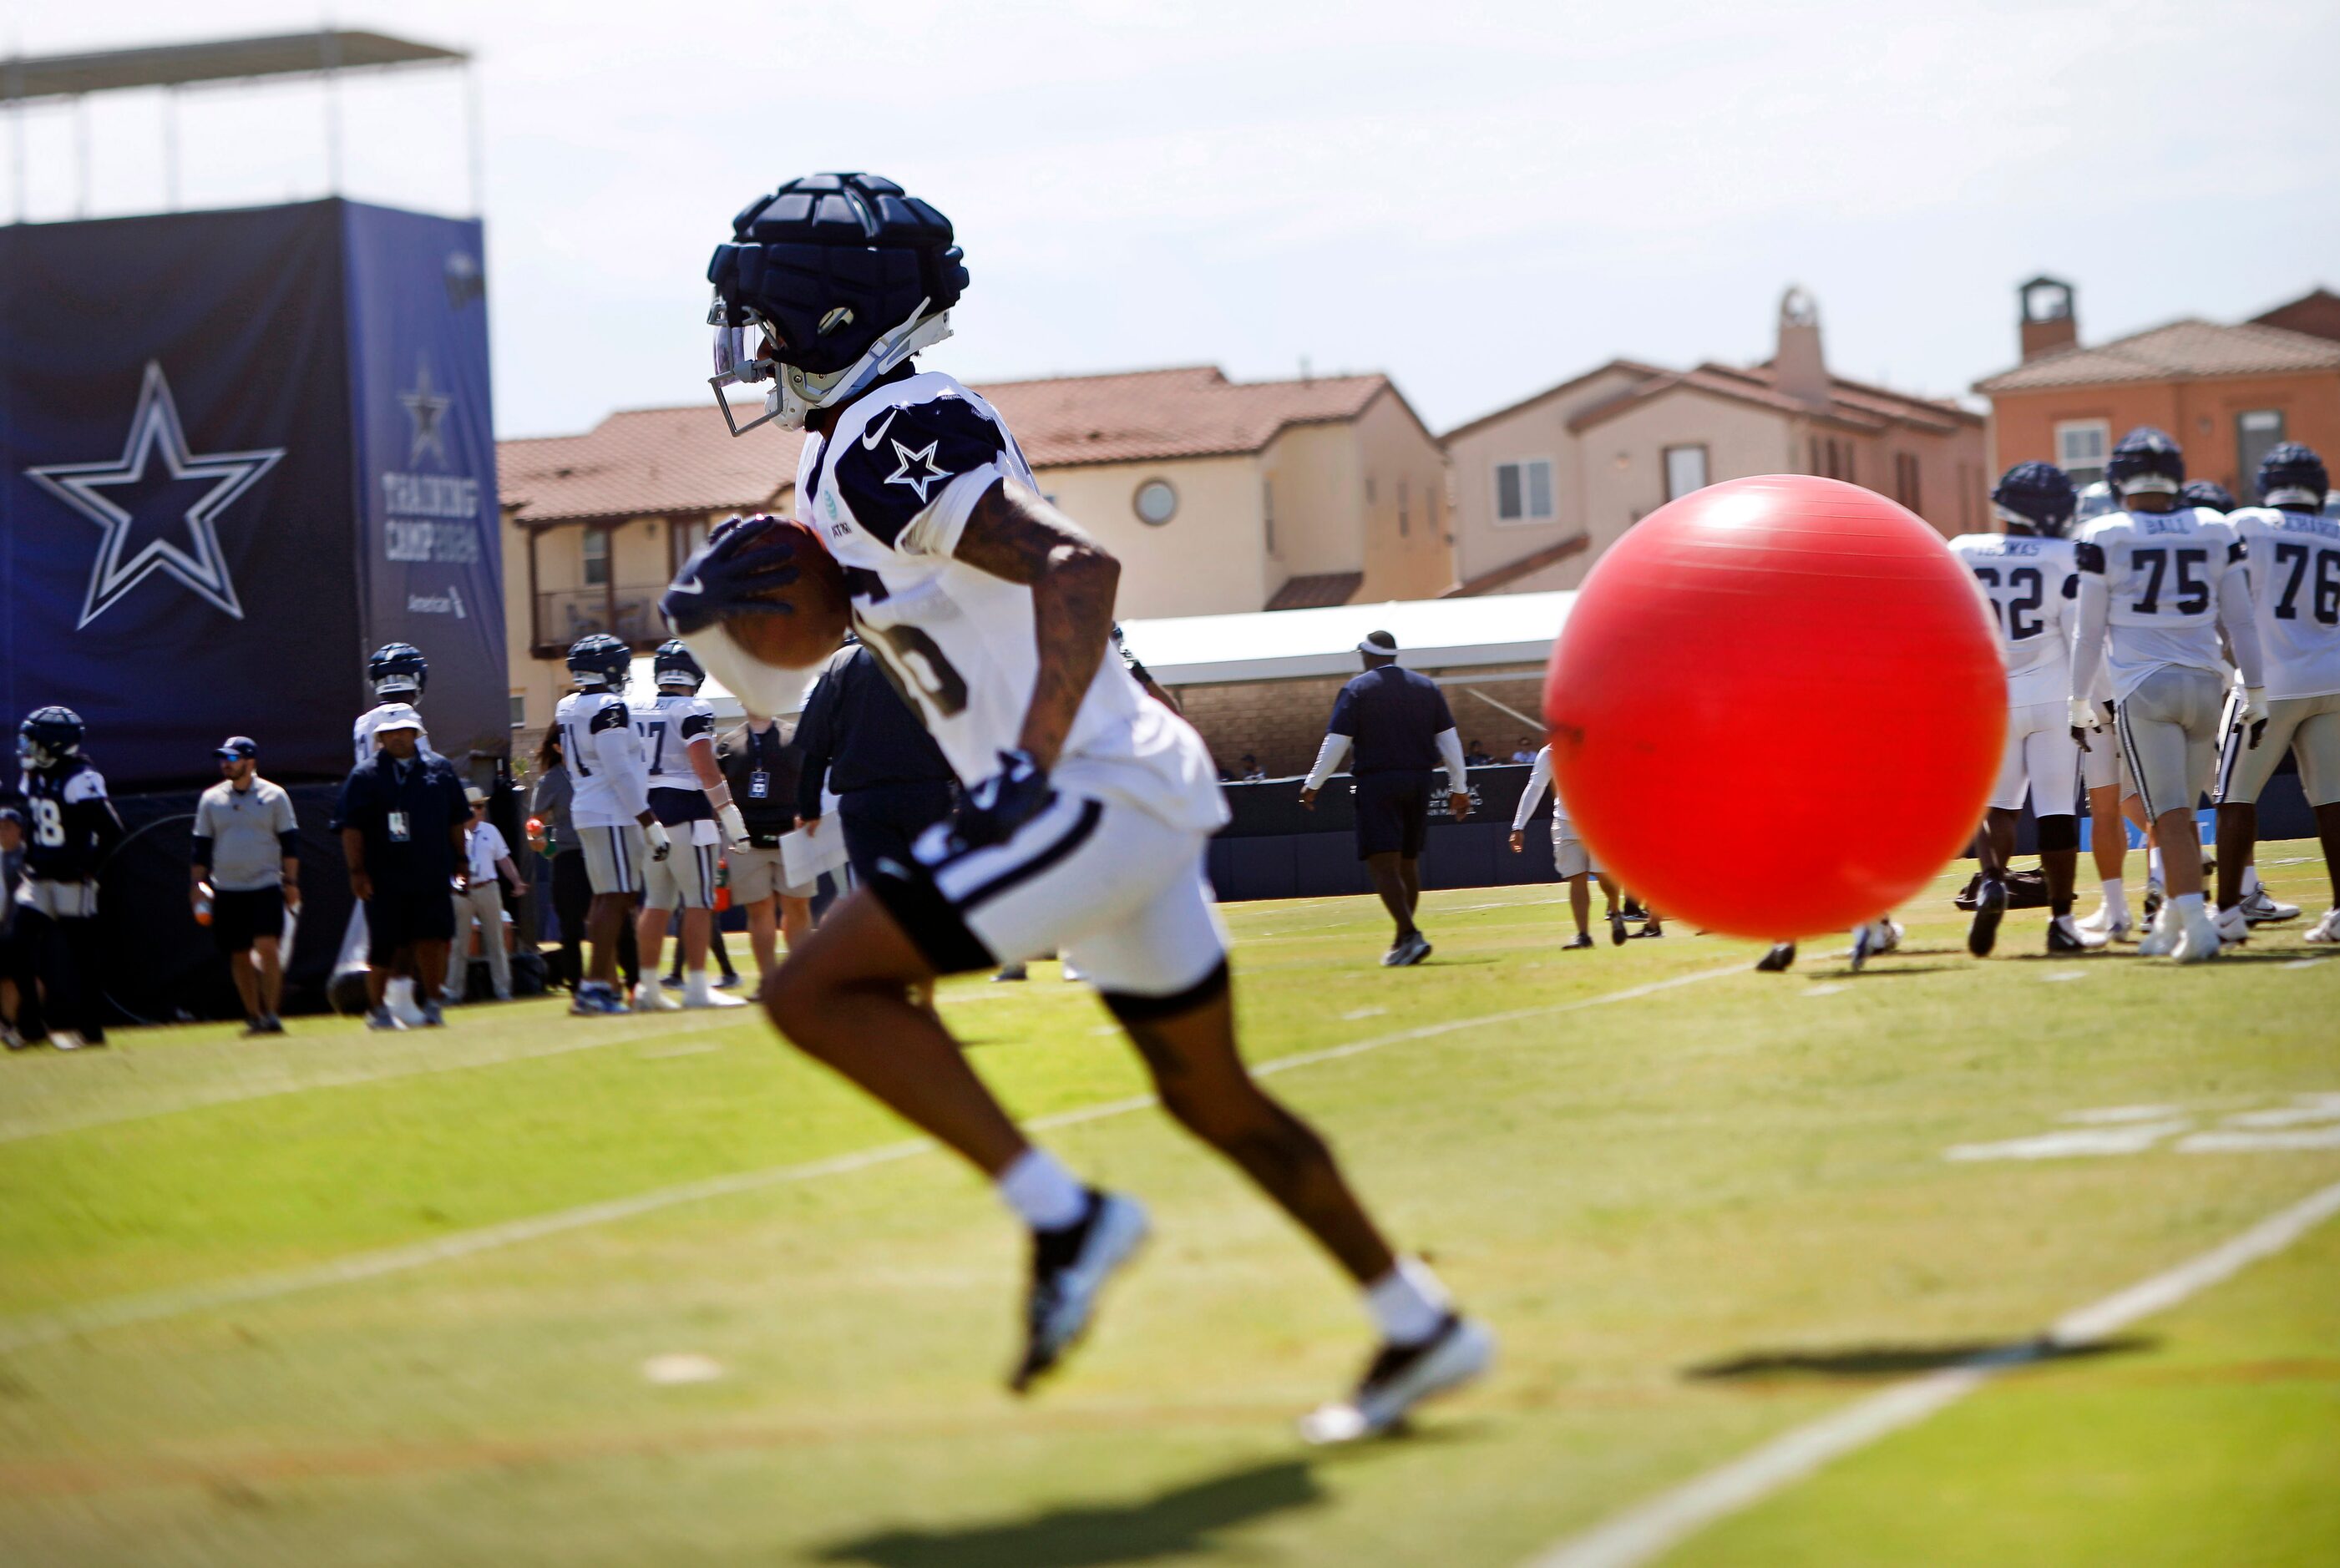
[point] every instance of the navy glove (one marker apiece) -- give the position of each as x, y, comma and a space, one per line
992, 810
743, 562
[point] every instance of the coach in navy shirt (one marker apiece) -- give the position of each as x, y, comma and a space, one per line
860, 739
1397, 725
402, 817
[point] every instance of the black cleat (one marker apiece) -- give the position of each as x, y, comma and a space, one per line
1990, 907
1777, 959
1070, 1267
1618, 935
1581, 941
1400, 1378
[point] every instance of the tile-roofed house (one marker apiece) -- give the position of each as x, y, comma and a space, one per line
2227, 393
1310, 491
1543, 486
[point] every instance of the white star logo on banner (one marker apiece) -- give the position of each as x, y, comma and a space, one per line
918, 482
154, 429
425, 407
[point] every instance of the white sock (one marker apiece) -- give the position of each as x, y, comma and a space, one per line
2117, 898
2153, 864
2250, 880
1042, 1193
2188, 906
1408, 1303
401, 992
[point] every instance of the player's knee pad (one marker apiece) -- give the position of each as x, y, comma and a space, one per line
2058, 833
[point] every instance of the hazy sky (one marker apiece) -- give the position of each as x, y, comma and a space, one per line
1481, 200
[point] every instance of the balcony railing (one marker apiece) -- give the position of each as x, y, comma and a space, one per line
562, 616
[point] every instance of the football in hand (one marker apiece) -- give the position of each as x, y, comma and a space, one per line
796, 625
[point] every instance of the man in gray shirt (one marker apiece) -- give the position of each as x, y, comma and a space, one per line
246, 874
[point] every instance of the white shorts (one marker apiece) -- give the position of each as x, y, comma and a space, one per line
1120, 894
2040, 752
2169, 737
1569, 856
2310, 727
685, 879
58, 900
613, 857
758, 875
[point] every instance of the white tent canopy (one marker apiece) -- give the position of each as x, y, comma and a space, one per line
1289, 645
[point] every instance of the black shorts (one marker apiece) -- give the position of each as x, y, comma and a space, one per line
1393, 813
882, 822
395, 918
238, 919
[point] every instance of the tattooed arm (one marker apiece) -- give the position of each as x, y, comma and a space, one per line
1015, 534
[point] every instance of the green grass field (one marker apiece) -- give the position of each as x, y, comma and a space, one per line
647, 1291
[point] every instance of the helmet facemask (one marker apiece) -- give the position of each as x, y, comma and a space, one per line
796, 392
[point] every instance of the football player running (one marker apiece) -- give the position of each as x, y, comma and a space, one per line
2157, 583
1088, 807
689, 797
610, 808
2028, 577
2293, 554
73, 828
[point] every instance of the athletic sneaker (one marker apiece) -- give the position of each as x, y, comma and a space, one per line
597, 998
1581, 941
12, 1039
730, 981
2325, 931
2197, 939
1777, 959
271, 1024
2153, 897
1412, 951
2161, 939
2099, 919
1011, 971
77, 1040
1400, 1378
2234, 926
2260, 909
1070, 1267
1871, 938
697, 992
1650, 928
431, 1017
383, 1018
1617, 932
650, 996
2067, 935
1991, 908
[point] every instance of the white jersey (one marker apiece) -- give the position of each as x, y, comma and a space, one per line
608, 791
891, 488
2292, 561
362, 736
668, 722
1539, 777
2162, 572
2030, 583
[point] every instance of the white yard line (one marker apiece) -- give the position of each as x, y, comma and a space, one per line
1643, 1533
151, 1307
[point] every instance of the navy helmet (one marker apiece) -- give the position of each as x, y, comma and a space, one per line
2096, 498
674, 666
598, 659
398, 671
48, 736
2208, 493
2036, 496
2291, 474
2146, 461
843, 276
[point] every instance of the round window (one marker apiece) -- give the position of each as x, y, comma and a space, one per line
1156, 502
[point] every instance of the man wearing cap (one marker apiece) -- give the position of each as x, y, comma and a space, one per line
402, 817
247, 869
1397, 723
482, 899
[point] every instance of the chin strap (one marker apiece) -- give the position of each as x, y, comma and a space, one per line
797, 392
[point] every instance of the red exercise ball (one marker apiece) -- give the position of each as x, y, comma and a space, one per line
1777, 707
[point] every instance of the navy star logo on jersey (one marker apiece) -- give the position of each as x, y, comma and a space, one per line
426, 408
155, 430
923, 482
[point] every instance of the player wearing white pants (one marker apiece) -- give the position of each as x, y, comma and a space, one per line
2028, 581
2294, 556
1087, 803
1571, 861
609, 808
2158, 582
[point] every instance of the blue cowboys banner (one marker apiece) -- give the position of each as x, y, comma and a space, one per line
238, 450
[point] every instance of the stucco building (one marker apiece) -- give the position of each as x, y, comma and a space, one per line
1217, 495
2226, 393
1542, 486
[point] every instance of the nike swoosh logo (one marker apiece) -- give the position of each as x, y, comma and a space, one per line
693, 587
870, 440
